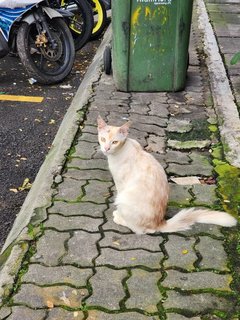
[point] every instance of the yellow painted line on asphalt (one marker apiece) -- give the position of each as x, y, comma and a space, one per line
6, 97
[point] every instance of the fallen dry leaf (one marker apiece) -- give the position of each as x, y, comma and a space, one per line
65, 299
26, 185
13, 190
50, 304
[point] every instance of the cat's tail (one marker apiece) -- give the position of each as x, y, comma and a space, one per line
185, 218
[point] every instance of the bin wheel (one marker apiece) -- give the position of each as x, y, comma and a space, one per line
107, 60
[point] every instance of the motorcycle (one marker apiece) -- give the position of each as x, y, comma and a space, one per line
81, 21
100, 17
40, 36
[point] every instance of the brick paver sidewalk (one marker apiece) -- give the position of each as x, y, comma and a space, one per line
80, 265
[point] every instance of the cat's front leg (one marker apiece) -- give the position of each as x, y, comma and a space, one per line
118, 219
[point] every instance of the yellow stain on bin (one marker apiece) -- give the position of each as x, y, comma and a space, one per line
6, 97
135, 16
147, 12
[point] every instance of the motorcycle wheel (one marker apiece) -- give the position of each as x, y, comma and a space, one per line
81, 25
100, 18
44, 63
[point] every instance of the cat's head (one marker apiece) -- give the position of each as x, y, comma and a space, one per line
111, 138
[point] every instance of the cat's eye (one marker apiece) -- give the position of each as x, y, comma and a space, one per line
115, 142
103, 139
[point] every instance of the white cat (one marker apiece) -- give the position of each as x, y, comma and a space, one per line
142, 187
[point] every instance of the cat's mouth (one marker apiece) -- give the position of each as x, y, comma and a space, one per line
106, 152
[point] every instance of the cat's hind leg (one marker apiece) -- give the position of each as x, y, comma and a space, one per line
119, 220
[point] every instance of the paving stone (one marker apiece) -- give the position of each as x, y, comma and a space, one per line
146, 283
118, 105
202, 161
174, 316
111, 225
179, 125
180, 252
89, 137
183, 169
80, 253
117, 118
194, 98
54, 240
204, 229
68, 275
43, 297
95, 174
90, 129
120, 95
202, 302
123, 259
180, 194
176, 97
92, 116
159, 108
131, 241
59, 313
107, 282
198, 166
70, 189
99, 154
216, 258
156, 144
4, 312
179, 109
97, 191
85, 150
61, 223
149, 97
204, 194
139, 108
194, 79
197, 280
149, 119
149, 128
227, 45
78, 208
190, 169
20, 313
188, 145
88, 164
99, 315
160, 158
140, 136
177, 157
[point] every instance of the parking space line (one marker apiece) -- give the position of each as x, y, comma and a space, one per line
6, 97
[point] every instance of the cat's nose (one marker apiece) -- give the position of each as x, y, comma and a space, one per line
107, 147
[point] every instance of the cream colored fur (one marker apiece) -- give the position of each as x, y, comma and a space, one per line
142, 187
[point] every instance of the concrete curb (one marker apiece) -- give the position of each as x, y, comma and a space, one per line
225, 107
40, 195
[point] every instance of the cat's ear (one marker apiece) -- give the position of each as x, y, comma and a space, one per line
124, 128
101, 123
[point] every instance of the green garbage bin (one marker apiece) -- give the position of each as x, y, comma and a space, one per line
150, 44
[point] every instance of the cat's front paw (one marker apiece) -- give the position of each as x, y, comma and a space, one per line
118, 219
115, 213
